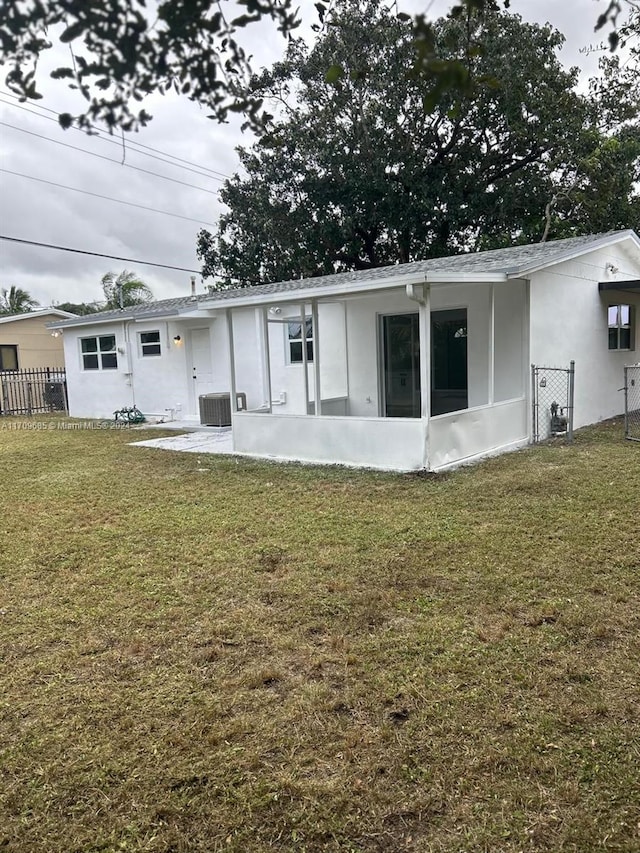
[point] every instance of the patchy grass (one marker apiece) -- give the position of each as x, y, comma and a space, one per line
206, 654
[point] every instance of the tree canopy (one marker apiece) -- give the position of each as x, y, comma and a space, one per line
124, 290
119, 51
356, 173
81, 309
15, 300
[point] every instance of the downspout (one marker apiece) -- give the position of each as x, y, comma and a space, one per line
421, 293
127, 349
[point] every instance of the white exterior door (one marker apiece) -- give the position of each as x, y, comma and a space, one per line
200, 366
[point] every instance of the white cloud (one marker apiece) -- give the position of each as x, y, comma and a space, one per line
44, 213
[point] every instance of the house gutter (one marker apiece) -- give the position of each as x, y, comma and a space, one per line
349, 288
421, 293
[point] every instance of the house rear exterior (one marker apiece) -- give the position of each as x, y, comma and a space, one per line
421, 365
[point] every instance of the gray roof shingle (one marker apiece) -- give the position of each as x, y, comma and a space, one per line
509, 261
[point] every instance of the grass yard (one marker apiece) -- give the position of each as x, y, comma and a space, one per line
205, 654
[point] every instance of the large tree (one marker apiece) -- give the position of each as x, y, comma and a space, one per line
357, 174
81, 309
124, 290
15, 300
122, 50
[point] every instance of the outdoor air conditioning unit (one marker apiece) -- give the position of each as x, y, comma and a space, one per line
215, 409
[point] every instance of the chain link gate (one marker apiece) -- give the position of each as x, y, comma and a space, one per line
632, 402
552, 402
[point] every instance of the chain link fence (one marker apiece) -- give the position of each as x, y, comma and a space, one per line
632, 402
552, 400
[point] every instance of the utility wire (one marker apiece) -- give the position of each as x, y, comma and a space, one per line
216, 176
106, 197
108, 159
94, 254
129, 142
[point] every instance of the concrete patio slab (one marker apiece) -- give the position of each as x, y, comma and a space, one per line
218, 442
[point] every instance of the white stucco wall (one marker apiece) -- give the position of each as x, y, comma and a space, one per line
350, 349
160, 385
385, 443
287, 379
569, 321
511, 368
350, 365
471, 434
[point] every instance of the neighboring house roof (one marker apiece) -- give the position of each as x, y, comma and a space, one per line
43, 312
492, 265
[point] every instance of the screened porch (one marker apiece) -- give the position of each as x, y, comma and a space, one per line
421, 376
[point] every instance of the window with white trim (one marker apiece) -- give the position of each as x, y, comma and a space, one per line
99, 353
294, 339
149, 343
621, 322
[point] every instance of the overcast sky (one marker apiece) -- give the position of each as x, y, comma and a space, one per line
38, 211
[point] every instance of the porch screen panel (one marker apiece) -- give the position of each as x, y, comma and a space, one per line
449, 368
401, 357
509, 341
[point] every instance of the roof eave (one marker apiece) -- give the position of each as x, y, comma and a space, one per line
350, 288
138, 316
562, 257
45, 312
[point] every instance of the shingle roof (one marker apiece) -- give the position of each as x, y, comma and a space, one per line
510, 261
160, 308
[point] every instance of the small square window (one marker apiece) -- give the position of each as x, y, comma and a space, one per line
150, 343
99, 353
621, 321
294, 336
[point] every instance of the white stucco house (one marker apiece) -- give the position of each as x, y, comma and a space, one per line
407, 367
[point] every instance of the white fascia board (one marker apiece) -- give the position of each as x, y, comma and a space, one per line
612, 239
197, 314
94, 320
45, 312
351, 288
465, 278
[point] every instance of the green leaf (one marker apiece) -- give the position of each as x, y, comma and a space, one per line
59, 73
334, 74
73, 31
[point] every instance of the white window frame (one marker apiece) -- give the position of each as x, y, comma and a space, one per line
294, 341
102, 349
145, 346
617, 326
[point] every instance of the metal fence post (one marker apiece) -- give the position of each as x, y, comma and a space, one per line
572, 372
534, 405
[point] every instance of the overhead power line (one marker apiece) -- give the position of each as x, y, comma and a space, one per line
108, 159
94, 254
100, 135
106, 197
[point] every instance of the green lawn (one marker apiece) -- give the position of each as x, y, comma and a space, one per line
208, 654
